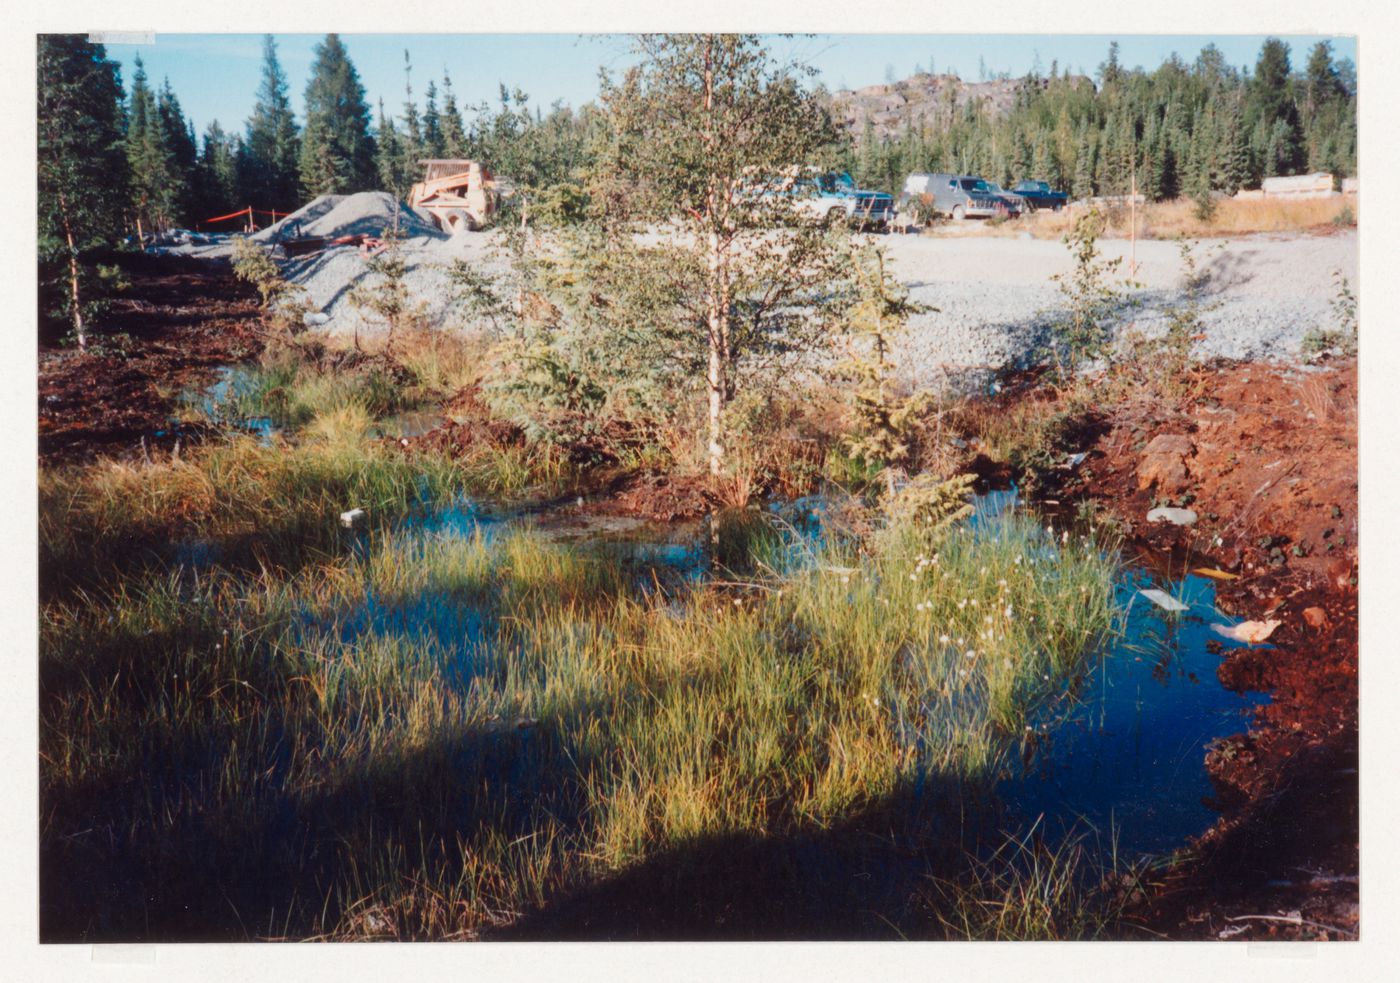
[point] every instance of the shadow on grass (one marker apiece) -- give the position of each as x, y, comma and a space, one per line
264, 861
179, 851
868, 877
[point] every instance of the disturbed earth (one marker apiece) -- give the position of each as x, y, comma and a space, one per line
180, 321
1265, 452
1270, 467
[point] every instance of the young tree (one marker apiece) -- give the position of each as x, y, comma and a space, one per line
268, 173
337, 151
81, 164
699, 129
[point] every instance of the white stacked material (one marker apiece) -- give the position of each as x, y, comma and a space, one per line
1253, 194
1351, 185
1299, 186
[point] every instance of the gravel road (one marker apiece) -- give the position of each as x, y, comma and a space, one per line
995, 300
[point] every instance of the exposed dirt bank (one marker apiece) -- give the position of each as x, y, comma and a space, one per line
179, 321
1270, 466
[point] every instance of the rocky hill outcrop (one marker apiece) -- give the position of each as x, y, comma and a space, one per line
935, 98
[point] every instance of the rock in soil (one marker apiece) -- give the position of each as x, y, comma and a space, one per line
1163, 463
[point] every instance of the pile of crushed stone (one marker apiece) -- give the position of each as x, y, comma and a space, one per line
331, 276
365, 213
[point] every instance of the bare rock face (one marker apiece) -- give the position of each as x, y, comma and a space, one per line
924, 99
1163, 463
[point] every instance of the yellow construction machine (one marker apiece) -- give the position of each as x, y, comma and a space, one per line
460, 195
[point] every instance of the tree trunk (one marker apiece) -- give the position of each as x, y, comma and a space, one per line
718, 315
78, 328
715, 378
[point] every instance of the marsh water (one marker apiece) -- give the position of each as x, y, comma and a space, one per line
1119, 750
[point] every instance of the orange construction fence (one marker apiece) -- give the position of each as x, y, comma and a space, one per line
248, 212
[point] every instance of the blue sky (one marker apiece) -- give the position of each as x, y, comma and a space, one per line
216, 75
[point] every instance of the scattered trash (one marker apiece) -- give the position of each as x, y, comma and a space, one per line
351, 518
1215, 574
1315, 617
1249, 632
1177, 517
1163, 600
1077, 459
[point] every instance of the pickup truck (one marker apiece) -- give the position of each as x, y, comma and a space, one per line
829, 196
1037, 194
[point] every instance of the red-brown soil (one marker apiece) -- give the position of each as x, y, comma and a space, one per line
1272, 473
180, 320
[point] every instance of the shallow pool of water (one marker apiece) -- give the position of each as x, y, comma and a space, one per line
217, 401
1121, 749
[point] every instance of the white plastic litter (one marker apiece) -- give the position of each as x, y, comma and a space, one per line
1177, 517
1163, 600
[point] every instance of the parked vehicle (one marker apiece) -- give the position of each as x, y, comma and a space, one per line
831, 196
957, 196
1037, 194
1015, 204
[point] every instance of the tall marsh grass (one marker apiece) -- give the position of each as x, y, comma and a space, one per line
442, 735
276, 499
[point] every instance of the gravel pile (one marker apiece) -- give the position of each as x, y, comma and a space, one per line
330, 276
993, 300
366, 213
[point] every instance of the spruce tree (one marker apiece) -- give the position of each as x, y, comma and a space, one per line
454, 133
216, 184
337, 151
268, 164
411, 137
432, 123
156, 184
1272, 99
1234, 150
82, 172
389, 158
1083, 168
184, 152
